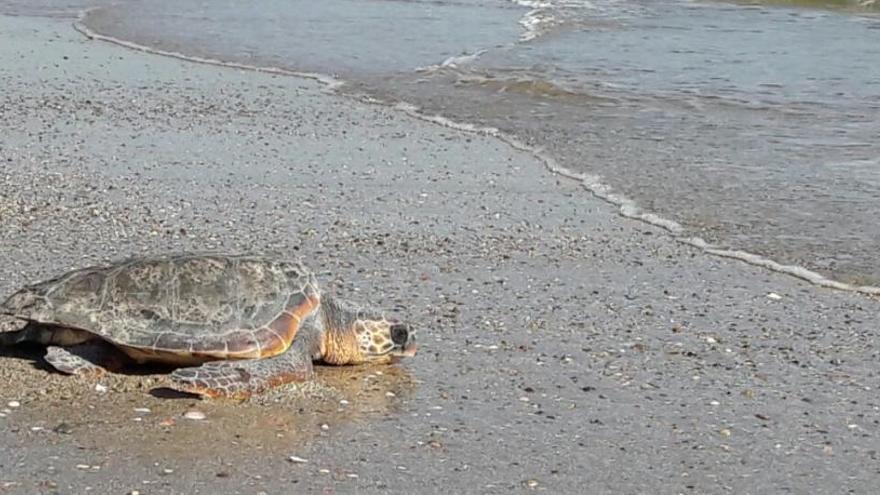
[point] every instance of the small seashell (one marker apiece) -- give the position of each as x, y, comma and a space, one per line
194, 415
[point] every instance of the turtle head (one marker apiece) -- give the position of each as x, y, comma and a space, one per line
381, 340
358, 336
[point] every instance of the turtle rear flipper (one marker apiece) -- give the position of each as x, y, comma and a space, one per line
241, 379
91, 359
44, 334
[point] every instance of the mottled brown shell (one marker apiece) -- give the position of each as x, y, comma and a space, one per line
184, 306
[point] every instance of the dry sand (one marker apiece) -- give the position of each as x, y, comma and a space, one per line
564, 349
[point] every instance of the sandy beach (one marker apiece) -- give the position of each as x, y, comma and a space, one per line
564, 349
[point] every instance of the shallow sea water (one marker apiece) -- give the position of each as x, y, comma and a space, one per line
753, 126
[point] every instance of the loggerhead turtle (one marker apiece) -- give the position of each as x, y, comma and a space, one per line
233, 325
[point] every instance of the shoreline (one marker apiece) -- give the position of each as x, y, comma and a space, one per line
563, 346
626, 207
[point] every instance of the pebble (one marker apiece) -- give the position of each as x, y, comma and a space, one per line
13, 403
325, 427
194, 415
774, 296
297, 460
166, 422
63, 429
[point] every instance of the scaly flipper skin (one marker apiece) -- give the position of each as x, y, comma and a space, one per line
243, 378
81, 360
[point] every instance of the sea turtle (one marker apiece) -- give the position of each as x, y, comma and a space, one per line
233, 325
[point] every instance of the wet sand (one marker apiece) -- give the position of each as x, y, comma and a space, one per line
564, 348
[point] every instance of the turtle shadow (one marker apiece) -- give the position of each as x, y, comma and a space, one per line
33, 353
170, 393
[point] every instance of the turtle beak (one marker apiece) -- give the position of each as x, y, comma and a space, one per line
409, 351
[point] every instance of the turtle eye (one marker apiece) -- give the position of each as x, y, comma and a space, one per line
399, 334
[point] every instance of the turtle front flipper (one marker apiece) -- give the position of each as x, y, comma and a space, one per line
91, 359
243, 378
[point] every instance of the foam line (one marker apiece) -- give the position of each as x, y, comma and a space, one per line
331, 83
626, 207
535, 19
452, 62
